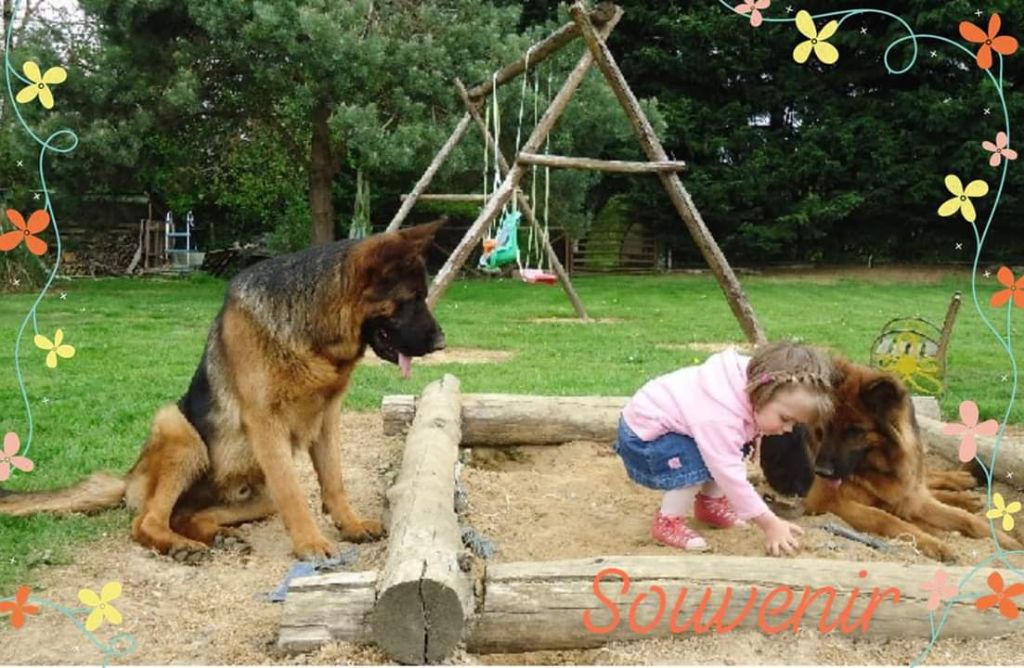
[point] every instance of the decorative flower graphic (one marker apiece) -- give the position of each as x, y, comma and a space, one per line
56, 348
101, 607
10, 457
1004, 510
939, 589
40, 86
37, 222
825, 52
1001, 597
1013, 289
990, 41
18, 608
961, 200
753, 7
999, 150
969, 429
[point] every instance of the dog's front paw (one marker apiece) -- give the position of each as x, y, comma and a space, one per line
231, 539
939, 550
188, 552
316, 548
362, 532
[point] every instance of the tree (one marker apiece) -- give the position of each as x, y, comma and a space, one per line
336, 85
808, 162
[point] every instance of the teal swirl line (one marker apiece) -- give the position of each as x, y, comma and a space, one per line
989, 470
45, 145
119, 645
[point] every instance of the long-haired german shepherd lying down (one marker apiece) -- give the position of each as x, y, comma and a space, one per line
866, 465
270, 383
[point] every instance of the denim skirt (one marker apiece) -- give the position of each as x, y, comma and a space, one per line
668, 462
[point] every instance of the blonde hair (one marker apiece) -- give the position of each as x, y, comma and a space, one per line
784, 365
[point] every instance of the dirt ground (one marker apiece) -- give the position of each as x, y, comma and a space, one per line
534, 502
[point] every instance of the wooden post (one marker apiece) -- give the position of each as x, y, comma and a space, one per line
947, 332
621, 166
542, 605
524, 205
428, 175
424, 597
542, 50
677, 192
502, 194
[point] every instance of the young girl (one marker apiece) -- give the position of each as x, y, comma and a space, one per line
687, 432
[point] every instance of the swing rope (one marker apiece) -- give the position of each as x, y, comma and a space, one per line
542, 272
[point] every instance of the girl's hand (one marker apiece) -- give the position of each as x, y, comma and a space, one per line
779, 535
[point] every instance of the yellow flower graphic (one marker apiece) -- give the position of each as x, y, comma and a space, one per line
1004, 510
55, 348
961, 197
101, 608
825, 52
40, 86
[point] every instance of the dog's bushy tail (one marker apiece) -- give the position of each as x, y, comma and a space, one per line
99, 491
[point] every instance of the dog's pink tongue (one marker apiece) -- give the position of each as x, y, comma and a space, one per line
405, 364
835, 482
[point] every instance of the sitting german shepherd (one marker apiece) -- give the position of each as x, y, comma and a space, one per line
270, 383
867, 467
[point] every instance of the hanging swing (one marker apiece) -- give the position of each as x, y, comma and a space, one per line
503, 248
500, 247
539, 275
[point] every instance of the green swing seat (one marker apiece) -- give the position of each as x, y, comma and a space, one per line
507, 249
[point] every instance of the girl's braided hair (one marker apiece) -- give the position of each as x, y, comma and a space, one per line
785, 365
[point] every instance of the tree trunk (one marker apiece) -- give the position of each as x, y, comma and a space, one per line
322, 170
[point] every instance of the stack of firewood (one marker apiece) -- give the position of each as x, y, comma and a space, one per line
101, 255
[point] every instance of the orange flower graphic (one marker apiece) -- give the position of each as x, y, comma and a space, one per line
990, 41
37, 222
18, 608
1002, 597
1014, 289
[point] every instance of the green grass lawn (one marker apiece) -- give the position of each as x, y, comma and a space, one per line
138, 342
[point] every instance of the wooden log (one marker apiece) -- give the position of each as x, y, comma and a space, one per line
681, 199
622, 166
424, 597
409, 201
1009, 467
509, 419
524, 206
322, 608
521, 419
541, 605
541, 51
502, 194
449, 197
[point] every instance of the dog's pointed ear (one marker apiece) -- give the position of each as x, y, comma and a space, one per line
883, 394
421, 236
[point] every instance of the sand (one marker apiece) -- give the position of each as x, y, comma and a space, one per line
535, 503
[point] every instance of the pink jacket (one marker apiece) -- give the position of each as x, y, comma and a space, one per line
709, 403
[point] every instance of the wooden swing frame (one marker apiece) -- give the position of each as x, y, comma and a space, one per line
593, 27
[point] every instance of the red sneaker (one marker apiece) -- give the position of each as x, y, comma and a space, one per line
673, 531
716, 511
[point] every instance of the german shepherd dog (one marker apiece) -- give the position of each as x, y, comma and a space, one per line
866, 465
270, 383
